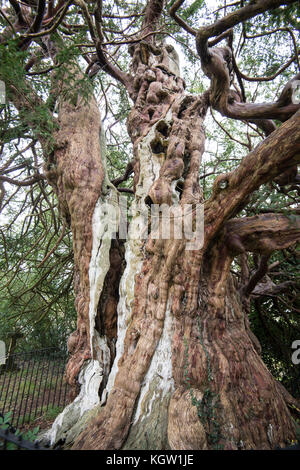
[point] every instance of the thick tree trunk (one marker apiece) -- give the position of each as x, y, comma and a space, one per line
187, 374
206, 387
77, 171
222, 383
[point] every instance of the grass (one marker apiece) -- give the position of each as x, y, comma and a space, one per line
31, 389
44, 413
52, 412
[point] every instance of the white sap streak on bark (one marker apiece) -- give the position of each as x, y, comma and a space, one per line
89, 379
160, 371
150, 166
94, 370
98, 268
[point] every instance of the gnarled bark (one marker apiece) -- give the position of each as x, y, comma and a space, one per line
185, 353
76, 169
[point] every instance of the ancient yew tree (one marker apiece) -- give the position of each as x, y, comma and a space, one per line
163, 356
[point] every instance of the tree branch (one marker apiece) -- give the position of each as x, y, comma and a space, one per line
36, 25
153, 12
247, 12
257, 276
178, 19
57, 19
113, 71
271, 289
277, 153
97, 36
18, 11
128, 172
29, 182
54, 248
261, 234
218, 64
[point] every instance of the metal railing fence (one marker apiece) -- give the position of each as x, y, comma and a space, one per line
32, 384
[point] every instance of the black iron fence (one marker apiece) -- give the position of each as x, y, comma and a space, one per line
32, 385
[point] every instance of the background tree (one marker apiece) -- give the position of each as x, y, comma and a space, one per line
163, 355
